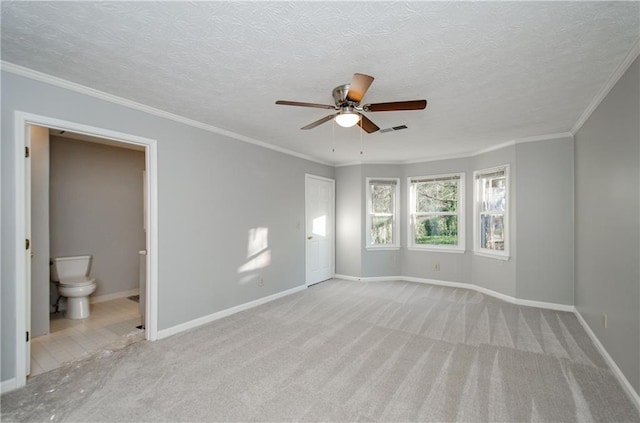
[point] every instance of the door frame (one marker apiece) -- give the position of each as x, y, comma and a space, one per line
308, 176
21, 120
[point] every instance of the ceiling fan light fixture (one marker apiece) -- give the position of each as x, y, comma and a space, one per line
350, 112
347, 119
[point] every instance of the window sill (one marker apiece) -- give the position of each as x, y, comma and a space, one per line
492, 256
385, 248
438, 250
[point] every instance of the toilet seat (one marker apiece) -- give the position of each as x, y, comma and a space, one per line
77, 282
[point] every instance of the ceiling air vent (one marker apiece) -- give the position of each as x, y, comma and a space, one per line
394, 128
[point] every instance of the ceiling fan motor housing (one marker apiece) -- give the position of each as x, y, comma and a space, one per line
340, 95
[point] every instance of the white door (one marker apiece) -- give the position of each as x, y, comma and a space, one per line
319, 228
37, 230
40, 269
27, 251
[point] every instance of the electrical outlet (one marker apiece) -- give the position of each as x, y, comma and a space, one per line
436, 267
261, 281
604, 320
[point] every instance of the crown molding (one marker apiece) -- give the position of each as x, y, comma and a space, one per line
352, 164
440, 158
406, 162
633, 53
536, 138
361, 163
494, 148
82, 89
546, 137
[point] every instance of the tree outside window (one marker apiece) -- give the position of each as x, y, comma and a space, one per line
437, 212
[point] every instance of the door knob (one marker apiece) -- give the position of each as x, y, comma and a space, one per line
309, 237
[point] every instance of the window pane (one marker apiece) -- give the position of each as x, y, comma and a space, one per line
382, 198
494, 194
440, 230
381, 230
492, 232
437, 196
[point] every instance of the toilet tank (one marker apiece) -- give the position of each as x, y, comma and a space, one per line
70, 267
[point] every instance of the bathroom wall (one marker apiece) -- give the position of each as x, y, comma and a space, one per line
97, 209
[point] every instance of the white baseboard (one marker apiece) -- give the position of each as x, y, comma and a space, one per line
368, 278
446, 283
543, 304
633, 395
495, 294
8, 385
115, 295
224, 313
347, 278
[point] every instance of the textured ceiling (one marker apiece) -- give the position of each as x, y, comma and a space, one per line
491, 71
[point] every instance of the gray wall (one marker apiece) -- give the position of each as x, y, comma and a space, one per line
607, 213
349, 211
211, 191
545, 220
540, 266
497, 275
97, 209
380, 262
420, 264
39, 231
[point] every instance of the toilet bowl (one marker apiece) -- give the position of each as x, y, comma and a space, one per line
75, 284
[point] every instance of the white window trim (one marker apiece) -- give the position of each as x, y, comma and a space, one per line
485, 252
396, 217
460, 248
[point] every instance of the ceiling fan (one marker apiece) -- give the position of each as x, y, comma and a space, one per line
347, 100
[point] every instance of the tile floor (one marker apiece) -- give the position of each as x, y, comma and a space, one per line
70, 340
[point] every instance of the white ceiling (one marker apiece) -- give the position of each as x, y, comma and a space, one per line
492, 72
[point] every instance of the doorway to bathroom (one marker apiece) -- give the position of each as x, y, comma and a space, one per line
95, 178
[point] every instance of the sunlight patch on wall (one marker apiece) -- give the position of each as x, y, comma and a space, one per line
258, 253
258, 241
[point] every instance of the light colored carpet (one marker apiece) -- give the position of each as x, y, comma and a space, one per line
346, 351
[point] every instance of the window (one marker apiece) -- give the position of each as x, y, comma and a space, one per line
436, 213
382, 213
491, 222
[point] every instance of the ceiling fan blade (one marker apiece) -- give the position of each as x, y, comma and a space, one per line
396, 106
367, 125
320, 121
297, 103
359, 85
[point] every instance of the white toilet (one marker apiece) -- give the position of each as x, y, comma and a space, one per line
75, 284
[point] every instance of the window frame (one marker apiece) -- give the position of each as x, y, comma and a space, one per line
395, 217
477, 213
460, 248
